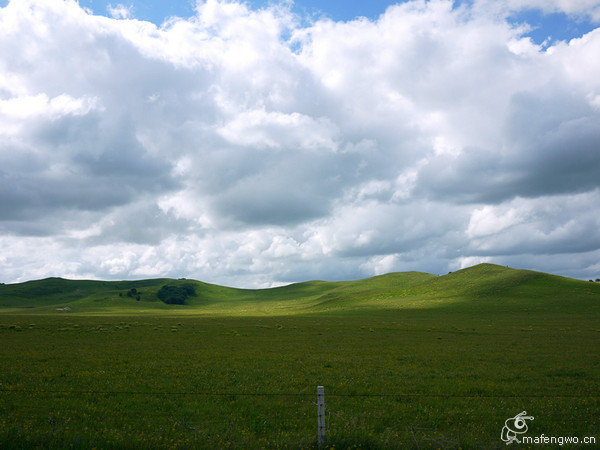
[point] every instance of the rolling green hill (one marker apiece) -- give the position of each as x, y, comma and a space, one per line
485, 286
408, 360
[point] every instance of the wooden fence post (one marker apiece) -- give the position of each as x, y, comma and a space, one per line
321, 414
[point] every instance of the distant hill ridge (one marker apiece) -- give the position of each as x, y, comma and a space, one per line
484, 286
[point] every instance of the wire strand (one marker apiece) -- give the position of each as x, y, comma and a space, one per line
290, 394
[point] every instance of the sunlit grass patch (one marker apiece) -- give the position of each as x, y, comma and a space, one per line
431, 377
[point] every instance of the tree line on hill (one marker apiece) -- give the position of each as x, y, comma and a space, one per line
175, 295
133, 292
169, 294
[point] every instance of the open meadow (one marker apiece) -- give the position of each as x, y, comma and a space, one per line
407, 360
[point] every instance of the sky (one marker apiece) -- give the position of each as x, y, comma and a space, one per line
262, 143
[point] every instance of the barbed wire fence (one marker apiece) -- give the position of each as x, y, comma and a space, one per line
286, 394
306, 398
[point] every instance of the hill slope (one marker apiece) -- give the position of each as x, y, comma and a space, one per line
482, 287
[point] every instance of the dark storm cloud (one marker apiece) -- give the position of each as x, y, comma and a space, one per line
551, 147
78, 163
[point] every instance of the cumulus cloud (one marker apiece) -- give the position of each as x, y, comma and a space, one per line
250, 147
120, 11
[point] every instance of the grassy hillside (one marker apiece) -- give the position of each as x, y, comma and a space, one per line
479, 287
408, 360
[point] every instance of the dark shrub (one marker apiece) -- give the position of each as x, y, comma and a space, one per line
175, 295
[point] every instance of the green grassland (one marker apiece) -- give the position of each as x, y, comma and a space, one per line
485, 287
408, 360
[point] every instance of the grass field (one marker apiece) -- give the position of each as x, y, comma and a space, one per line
407, 360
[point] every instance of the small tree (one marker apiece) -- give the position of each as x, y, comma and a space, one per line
175, 295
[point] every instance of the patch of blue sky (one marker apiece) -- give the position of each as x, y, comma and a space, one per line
336, 10
549, 28
545, 28
157, 11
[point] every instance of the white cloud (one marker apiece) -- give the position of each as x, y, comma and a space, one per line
261, 129
30, 106
120, 11
469, 261
488, 220
379, 265
241, 146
